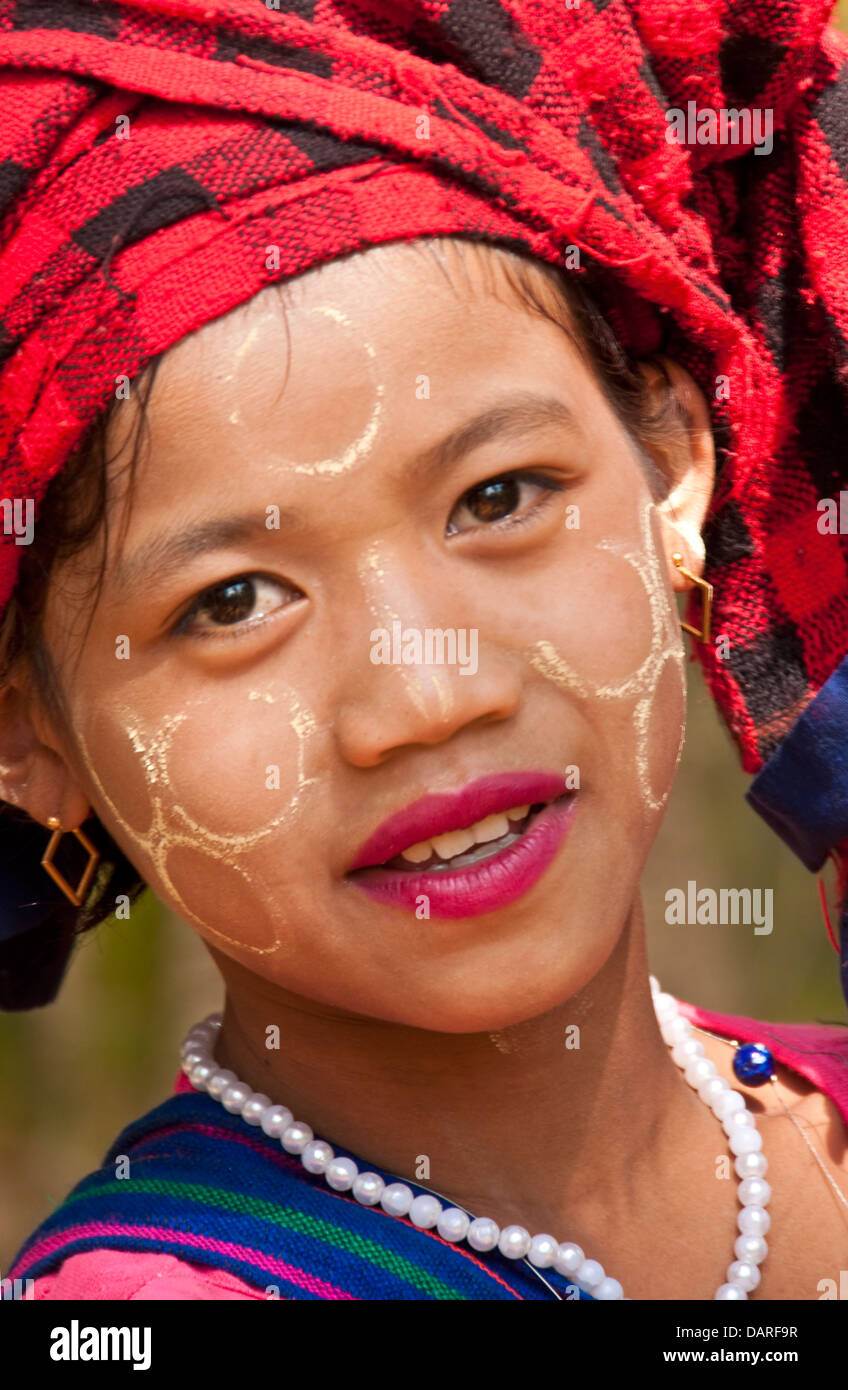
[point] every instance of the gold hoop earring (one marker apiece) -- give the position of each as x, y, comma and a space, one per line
76, 895
703, 632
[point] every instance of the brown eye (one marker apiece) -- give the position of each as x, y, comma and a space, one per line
498, 499
233, 604
493, 501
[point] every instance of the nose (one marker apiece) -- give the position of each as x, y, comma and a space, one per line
390, 703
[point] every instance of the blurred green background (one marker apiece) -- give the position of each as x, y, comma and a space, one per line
73, 1074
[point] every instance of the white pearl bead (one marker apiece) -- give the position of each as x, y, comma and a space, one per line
751, 1165
316, 1155
746, 1275
730, 1291
683, 1052
750, 1249
542, 1252
699, 1069
218, 1083
200, 1075
569, 1257
754, 1192
514, 1242
214, 1020
255, 1109
295, 1138
710, 1089
726, 1103
753, 1221
676, 1030
276, 1121
483, 1234
453, 1224
425, 1211
608, 1289
738, 1119
341, 1174
654, 983
368, 1189
589, 1275
397, 1199
744, 1140
665, 1006
192, 1056
235, 1097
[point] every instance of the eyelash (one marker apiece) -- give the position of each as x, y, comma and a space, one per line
527, 517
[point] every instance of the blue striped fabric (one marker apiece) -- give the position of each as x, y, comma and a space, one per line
206, 1187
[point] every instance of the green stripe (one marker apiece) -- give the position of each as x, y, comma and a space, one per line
289, 1217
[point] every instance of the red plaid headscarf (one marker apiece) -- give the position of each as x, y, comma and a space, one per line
296, 123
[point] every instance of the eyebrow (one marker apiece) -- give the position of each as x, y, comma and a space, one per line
520, 414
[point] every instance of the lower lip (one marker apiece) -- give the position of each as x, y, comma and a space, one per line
482, 887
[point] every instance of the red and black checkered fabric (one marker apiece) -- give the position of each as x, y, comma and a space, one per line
297, 124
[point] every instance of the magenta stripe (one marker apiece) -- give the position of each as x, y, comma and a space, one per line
292, 1273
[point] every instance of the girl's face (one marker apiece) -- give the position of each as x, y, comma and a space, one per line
303, 492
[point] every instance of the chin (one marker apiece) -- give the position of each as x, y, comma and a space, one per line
511, 996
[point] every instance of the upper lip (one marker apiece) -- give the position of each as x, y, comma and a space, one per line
440, 812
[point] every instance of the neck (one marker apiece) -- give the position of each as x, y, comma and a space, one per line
521, 1125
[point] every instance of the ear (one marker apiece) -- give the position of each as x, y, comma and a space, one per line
34, 772
688, 459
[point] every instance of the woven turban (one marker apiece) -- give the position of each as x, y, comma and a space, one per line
297, 124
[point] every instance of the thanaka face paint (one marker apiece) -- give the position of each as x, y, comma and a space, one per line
569, 651
173, 828
641, 684
374, 578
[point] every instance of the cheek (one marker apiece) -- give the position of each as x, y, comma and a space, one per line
660, 739
237, 773
230, 772
602, 620
205, 800
619, 654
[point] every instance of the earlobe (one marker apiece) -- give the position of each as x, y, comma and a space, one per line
33, 776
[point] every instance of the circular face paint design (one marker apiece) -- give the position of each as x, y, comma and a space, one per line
177, 840
664, 652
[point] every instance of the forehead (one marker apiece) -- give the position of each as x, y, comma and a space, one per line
368, 357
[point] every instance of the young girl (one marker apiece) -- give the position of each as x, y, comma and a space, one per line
368, 381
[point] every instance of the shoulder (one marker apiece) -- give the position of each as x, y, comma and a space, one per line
805, 1110
133, 1275
811, 1053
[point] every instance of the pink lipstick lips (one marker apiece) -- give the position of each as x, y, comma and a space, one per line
492, 881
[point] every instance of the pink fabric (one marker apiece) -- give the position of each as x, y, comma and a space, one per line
133, 1274
818, 1052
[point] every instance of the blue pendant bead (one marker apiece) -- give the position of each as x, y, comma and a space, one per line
753, 1064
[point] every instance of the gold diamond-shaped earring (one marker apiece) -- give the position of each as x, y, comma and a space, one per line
76, 895
702, 633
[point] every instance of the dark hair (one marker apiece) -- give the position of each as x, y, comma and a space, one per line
74, 512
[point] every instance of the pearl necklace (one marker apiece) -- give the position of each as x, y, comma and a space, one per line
482, 1234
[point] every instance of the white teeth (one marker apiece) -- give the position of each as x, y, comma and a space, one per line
458, 841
